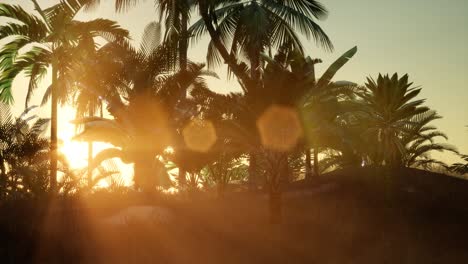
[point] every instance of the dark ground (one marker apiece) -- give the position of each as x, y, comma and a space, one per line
422, 218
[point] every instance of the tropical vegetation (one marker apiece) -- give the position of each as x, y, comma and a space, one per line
285, 124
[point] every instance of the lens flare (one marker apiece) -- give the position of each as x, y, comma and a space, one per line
199, 135
280, 128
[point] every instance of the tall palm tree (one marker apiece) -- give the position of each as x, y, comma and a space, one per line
248, 28
56, 38
177, 19
88, 97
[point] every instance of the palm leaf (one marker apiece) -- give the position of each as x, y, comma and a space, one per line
333, 69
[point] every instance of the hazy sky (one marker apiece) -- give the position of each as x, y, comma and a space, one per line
428, 39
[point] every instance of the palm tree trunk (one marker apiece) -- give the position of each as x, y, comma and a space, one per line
254, 63
53, 131
275, 205
3, 180
277, 162
138, 169
254, 66
90, 156
143, 173
308, 164
221, 189
252, 171
183, 42
275, 193
90, 160
182, 177
308, 154
286, 172
183, 60
316, 161
228, 57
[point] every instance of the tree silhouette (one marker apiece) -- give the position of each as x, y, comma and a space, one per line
24, 156
140, 94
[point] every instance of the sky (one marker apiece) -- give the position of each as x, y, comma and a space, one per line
427, 39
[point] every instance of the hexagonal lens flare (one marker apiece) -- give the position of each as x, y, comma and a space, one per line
280, 128
199, 135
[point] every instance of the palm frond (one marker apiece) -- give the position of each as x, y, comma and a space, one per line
333, 69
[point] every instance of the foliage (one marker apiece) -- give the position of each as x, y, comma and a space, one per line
152, 102
53, 38
224, 170
140, 82
252, 27
24, 157
460, 168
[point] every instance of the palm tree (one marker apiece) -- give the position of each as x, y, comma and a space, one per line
20, 143
460, 168
176, 15
135, 75
140, 92
388, 105
57, 40
356, 145
234, 116
226, 168
320, 99
24, 155
250, 28
419, 141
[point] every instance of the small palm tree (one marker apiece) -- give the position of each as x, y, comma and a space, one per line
321, 100
388, 104
419, 141
225, 169
24, 155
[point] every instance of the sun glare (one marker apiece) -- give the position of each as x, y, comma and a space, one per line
76, 152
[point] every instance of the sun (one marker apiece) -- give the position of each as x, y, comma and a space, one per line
76, 152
